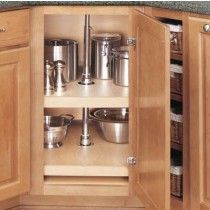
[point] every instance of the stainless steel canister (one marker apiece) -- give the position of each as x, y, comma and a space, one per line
102, 44
65, 50
120, 65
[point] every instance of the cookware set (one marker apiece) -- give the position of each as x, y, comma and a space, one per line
109, 61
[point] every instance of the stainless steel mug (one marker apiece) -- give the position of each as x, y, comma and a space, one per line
65, 50
120, 66
102, 44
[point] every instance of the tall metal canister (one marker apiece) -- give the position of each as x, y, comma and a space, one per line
102, 45
65, 50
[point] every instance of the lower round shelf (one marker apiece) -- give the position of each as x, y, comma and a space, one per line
101, 159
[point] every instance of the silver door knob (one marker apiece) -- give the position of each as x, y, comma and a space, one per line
206, 27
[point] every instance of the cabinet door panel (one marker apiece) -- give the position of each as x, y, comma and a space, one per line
7, 122
199, 65
14, 122
150, 111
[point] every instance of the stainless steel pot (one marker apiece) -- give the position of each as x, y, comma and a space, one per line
112, 124
65, 50
55, 130
101, 47
120, 66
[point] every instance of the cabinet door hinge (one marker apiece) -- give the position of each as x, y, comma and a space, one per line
131, 161
131, 41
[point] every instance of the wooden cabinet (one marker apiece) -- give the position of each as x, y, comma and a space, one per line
14, 113
95, 178
60, 172
199, 62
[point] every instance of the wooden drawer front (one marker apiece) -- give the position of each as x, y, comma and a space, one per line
14, 28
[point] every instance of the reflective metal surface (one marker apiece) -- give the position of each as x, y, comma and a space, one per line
86, 75
48, 78
55, 130
112, 124
85, 139
120, 66
102, 45
60, 83
65, 50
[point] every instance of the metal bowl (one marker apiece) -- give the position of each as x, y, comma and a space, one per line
55, 130
111, 124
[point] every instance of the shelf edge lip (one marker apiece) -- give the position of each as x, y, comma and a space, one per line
114, 171
72, 102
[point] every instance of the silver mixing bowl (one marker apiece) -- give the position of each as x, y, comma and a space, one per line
111, 124
55, 130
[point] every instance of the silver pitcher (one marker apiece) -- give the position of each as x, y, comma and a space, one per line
60, 83
102, 45
48, 78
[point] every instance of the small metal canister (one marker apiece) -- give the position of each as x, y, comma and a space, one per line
120, 66
102, 45
60, 83
48, 78
65, 50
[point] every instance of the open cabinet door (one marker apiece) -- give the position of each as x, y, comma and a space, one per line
150, 111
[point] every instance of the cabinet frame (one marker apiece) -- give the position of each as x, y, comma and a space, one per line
37, 27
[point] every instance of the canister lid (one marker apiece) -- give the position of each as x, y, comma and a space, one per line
48, 64
68, 42
106, 37
52, 42
59, 42
122, 52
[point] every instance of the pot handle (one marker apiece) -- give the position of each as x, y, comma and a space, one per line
69, 116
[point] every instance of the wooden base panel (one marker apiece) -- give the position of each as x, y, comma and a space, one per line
81, 201
73, 208
11, 203
86, 186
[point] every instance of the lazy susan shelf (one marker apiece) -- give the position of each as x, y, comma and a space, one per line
102, 94
101, 159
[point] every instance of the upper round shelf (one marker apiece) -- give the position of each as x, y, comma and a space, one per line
101, 94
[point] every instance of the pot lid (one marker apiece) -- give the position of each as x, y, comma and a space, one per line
106, 37
122, 52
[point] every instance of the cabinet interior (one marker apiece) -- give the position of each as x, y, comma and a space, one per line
64, 169
102, 167
72, 26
